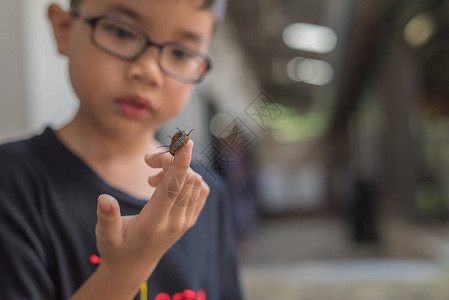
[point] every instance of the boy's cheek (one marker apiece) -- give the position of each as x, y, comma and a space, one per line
177, 99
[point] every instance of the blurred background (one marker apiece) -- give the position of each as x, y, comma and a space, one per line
329, 120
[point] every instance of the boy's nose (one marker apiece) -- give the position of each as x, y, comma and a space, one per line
146, 67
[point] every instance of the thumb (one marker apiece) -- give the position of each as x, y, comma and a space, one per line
108, 219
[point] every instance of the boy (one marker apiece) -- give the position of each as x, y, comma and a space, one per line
132, 65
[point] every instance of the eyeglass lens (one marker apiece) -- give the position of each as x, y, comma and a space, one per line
126, 42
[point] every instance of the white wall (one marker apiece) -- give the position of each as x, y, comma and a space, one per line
33, 79
12, 100
49, 95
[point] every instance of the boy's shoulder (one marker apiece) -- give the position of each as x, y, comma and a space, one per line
23, 153
19, 148
16, 148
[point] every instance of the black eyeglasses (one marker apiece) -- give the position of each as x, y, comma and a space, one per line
128, 42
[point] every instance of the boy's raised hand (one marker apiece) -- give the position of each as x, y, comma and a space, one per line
133, 245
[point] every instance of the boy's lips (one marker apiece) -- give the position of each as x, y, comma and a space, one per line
134, 106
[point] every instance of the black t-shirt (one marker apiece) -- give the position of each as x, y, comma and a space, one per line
48, 202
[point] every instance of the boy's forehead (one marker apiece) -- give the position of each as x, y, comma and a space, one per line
147, 9
194, 4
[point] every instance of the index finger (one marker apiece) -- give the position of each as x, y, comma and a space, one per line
183, 157
171, 183
173, 180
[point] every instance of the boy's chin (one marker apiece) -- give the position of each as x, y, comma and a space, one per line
128, 130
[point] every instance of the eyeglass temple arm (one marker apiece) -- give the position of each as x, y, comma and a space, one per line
84, 18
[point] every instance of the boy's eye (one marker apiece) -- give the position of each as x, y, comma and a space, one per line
119, 32
181, 54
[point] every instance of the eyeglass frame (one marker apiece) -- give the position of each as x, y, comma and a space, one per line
93, 21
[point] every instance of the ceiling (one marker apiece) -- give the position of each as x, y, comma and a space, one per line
264, 21
363, 28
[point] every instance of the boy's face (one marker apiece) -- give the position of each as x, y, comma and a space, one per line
126, 97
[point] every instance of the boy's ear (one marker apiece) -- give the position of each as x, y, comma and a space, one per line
61, 22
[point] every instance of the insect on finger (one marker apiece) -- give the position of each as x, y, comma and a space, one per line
179, 140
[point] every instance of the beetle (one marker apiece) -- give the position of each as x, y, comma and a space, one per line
178, 141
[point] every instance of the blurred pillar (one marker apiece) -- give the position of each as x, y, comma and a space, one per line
368, 31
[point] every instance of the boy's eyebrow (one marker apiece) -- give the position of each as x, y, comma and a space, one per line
122, 9
190, 35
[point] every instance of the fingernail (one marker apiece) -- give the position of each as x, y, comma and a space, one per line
105, 204
147, 156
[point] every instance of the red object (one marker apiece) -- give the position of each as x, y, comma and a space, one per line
163, 296
178, 296
186, 295
189, 295
201, 295
94, 259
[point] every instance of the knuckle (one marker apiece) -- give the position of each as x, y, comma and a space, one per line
184, 165
190, 179
176, 227
105, 220
200, 178
105, 239
182, 199
193, 222
171, 185
206, 188
197, 178
150, 232
189, 226
97, 232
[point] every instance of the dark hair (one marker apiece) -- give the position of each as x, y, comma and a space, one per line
218, 7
